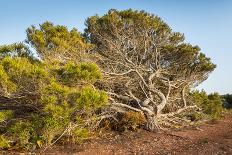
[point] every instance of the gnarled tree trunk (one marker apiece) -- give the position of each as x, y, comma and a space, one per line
152, 124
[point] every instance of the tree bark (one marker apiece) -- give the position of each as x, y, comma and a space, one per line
183, 97
152, 124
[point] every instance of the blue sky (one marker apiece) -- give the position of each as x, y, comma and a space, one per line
207, 23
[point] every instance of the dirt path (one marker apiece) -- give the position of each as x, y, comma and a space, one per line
209, 139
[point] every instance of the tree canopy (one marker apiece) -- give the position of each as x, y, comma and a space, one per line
15, 50
56, 41
152, 64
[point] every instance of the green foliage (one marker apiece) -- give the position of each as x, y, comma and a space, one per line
5, 83
5, 114
197, 116
129, 18
133, 24
72, 74
20, 132
4, 143
51, 40
211, 104
80, 134
53, 127
52, 100
227, 100
22, 75
16, 50
215, 107
90, 99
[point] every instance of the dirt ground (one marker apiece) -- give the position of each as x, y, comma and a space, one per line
211, 138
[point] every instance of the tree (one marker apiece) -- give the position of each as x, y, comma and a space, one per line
227, 100
211, 104
15, 50
147, 67
57, 42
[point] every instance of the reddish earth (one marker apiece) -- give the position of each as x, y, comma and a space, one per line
213, 138
209, 139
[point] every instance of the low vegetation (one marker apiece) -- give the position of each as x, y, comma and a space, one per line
211, 105
227, 99
43, 101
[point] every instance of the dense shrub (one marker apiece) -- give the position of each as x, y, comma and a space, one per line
210, 104
128, 121
47, 100
4, 144
72, 74
227, 100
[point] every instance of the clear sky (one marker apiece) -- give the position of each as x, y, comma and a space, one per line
207, 23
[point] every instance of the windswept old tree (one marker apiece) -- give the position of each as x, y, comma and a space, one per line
147, 67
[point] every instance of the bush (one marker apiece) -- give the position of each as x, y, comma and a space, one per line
20, 132
47, 100
227, 101
5, 114
49, 95
210, 104
196, 116
4, 144
128, 121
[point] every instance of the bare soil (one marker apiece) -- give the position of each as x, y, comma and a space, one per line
212, 138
